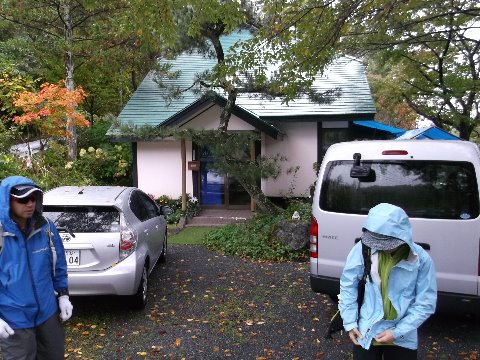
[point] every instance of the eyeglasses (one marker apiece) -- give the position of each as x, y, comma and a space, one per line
26, 200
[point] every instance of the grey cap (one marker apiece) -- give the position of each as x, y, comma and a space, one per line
380, 242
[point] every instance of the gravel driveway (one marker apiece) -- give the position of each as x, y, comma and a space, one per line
207, 306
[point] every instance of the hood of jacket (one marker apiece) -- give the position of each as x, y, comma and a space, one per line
5, 188
390, 220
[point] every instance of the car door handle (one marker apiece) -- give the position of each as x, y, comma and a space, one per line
425, 246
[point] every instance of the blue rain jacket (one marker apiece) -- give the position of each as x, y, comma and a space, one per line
412, 286
27, 277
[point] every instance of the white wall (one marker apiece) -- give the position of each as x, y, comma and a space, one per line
210, 119
299, 145
160, 168
160, 163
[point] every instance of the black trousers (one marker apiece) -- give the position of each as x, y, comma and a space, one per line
384, 352
45, 342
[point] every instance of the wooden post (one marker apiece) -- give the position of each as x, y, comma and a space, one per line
252, 157
184, 175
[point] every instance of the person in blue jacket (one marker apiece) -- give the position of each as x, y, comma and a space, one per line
34, 297
400, 294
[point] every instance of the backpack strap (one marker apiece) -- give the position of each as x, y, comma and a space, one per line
367, 265
2, 235
49, 233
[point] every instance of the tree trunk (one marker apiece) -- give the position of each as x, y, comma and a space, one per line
262, 202
227, 110
69, 80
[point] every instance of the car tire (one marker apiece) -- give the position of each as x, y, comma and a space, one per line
139, 300
163, 255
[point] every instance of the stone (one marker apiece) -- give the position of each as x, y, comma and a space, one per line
293, 233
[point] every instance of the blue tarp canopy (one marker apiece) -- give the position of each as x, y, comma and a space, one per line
431, 133
379, 126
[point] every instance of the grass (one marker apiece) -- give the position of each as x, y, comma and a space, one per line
189, 236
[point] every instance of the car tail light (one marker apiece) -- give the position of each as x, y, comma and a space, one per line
314, 238
128, 241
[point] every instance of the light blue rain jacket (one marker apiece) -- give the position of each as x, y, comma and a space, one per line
412, 287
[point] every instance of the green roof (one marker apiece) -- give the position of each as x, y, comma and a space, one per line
149, 105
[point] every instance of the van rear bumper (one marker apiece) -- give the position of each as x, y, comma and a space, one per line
446, 302
458, 303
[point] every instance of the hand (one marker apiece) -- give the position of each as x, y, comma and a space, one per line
354, 334
66, 307
385, 336
5, 330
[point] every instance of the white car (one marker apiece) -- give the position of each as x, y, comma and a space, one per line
113, 237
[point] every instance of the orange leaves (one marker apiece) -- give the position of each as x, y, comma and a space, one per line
53, 108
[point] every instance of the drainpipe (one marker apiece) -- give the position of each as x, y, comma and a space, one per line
184, 175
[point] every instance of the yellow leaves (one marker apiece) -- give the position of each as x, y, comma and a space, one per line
469, 356
177, 342
251, 322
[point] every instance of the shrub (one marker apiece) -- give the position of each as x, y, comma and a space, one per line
255, 238
193, 207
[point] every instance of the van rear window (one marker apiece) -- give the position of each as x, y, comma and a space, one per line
83, 219
425, 189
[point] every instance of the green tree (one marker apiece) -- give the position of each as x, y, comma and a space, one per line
201, 25
387, 87
432, 40
65, 35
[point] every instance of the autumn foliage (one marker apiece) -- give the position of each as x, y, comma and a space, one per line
51, 108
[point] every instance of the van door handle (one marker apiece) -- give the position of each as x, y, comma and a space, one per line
425, 246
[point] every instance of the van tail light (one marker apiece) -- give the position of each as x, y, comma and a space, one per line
394, 152
313, 238
128, 241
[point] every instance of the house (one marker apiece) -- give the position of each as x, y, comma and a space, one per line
301, 130
427, 133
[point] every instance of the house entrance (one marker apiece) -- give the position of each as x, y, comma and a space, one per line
218, 190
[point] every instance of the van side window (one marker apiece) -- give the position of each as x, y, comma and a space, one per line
426, 189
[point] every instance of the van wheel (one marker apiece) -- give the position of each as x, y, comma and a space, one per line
334, 298
139, 300
163, 255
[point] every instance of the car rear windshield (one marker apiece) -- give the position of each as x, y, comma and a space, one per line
427, 189
84, 219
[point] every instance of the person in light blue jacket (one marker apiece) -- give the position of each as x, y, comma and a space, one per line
400, 293
34, 296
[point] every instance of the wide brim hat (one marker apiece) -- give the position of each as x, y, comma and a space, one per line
21, 191
379, 241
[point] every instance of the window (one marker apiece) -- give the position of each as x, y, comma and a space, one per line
84, 219
428, 189
142, 206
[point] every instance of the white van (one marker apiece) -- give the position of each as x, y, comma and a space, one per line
435, 182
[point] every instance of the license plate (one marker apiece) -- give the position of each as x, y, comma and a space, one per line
73, 257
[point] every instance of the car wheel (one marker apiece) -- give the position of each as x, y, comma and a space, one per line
163, 255
139, 300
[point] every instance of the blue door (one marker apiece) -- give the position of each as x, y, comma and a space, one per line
212, 186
